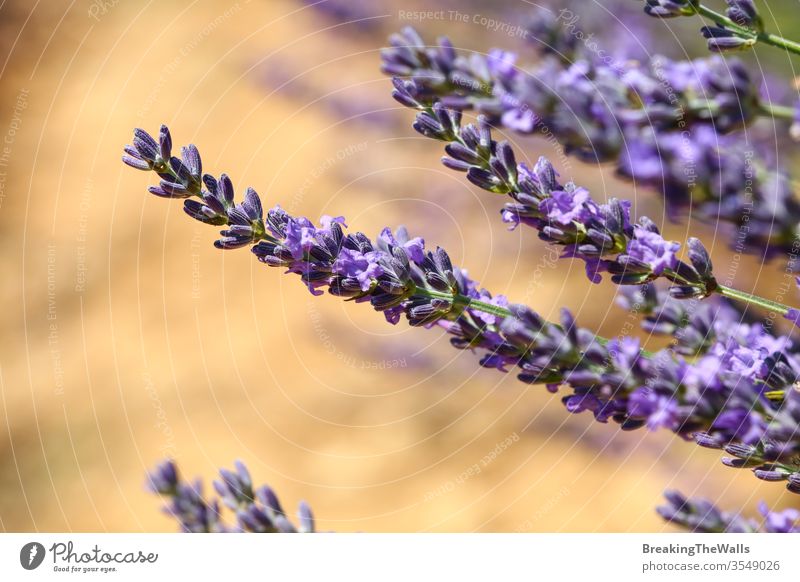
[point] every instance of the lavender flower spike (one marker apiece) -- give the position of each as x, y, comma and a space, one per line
185, 501
602, 235
700, 515
255, 512
737, 396
636, 115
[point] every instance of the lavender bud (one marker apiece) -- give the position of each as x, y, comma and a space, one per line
145, 145
164, 143
722, 40
305, 518
164, 478
137, 163
744, 13
686, 292
793, 484
669, 8
770, 474
172, 190
707, 441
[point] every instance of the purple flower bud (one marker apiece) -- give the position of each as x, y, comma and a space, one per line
669, 8
145, 145
164, 478
137, 163
743, 13
164, 143
722, 39
786, 521
793, 315
305, 518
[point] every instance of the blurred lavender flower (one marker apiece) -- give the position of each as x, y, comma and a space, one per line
786, 521
737, 396
744, 13
256, 512
588, 92
185, 501
694, 326
700, 515
638, 115
669, 8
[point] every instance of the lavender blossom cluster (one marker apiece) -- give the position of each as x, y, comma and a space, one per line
255, 510
604, 236
702, 516
669, 126
737, 393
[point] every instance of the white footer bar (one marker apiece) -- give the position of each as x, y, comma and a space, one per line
389, 557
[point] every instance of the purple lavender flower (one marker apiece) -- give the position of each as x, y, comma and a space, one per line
650, 248
742, 425
364, 267
669, 8
567, 206
245, 222
235, 488
300, 236
738, 396
786, 521
744, 13
258, 512
186, 503
695, 327
639, 116
602, 235
164, 478
794, 316
660, 411
700, 515
720, 39
414, 247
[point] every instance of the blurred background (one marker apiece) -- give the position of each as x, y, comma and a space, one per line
128, 338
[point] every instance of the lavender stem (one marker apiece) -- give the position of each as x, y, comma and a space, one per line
485, 156
752, 299
745, 33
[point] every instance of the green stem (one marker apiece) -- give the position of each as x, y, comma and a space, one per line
777, 111
744, 32
752, 299
780, 42
465, 301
